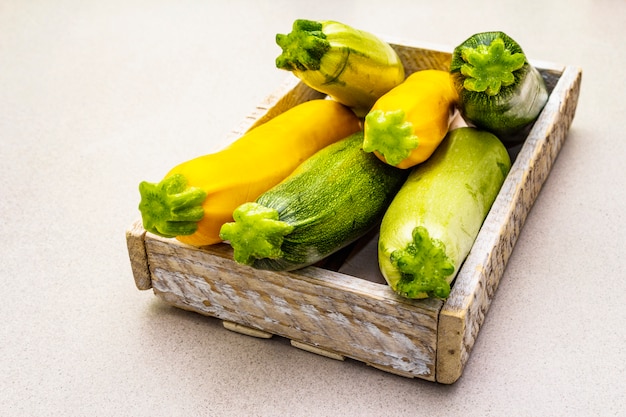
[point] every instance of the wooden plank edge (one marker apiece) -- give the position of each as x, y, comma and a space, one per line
291, 92
317, 350
317, 282
246, 330
463, 313
135, 242
391, 370
449, 49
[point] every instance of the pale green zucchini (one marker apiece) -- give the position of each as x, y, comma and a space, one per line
352, 66
431, 224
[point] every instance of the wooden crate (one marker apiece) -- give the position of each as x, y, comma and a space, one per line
342, 308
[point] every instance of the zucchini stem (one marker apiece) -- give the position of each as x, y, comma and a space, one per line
488, 68
389, 134
303, 48
424, 266
256, 233
171, 208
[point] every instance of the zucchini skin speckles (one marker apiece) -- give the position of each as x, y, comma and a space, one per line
333, 198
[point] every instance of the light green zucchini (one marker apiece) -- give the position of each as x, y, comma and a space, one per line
431, 224
352, 66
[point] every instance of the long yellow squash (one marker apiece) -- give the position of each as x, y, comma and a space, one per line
198, 196
405, 126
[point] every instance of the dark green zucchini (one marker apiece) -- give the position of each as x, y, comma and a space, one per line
333, 198
499, 90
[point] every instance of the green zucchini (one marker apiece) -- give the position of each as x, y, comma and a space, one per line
333, 198
499, 90
431, 224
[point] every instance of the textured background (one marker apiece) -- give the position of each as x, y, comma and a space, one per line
97, 96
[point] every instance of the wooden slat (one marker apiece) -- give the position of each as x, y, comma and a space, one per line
335, 312
426, 59
248, 331
474, 288
291, 92
135, 235
317, 350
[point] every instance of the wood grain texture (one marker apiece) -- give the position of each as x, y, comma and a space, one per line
135, 235
290, 93
427, 58
475, 285
335, 312
339, 315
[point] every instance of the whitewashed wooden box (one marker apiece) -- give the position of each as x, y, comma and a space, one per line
343, 308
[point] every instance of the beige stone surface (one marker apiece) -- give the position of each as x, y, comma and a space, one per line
98, 96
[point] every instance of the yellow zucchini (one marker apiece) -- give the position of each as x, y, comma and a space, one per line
198, 196
405, 125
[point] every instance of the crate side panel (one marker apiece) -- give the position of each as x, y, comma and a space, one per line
135, 235
321, 308
417, 59
463, 313
290, 93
